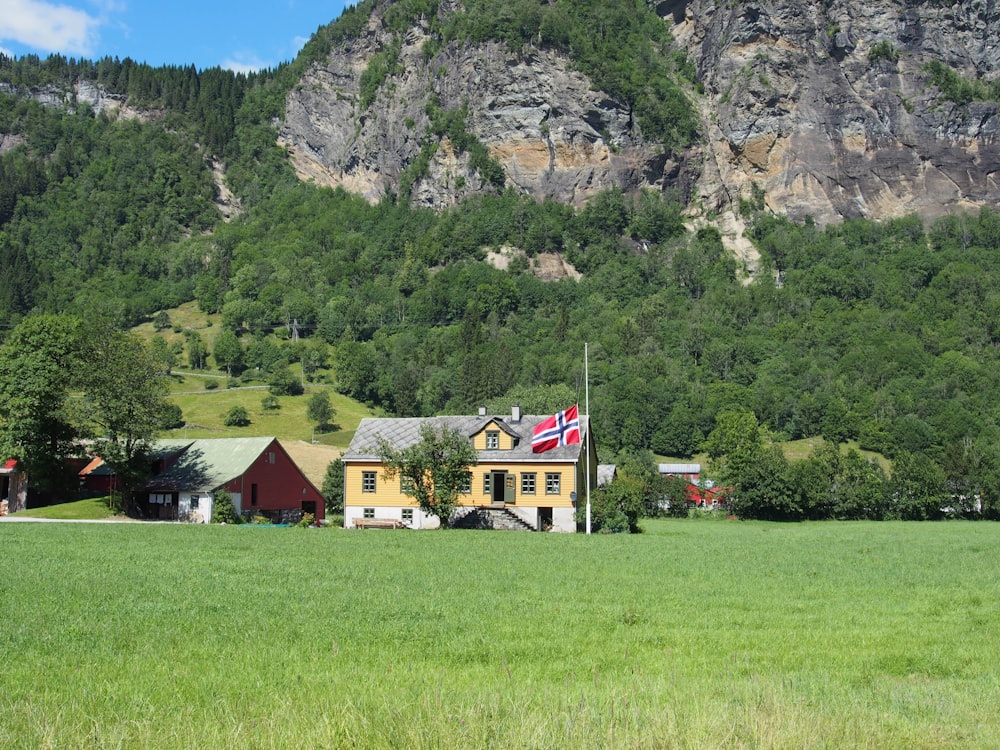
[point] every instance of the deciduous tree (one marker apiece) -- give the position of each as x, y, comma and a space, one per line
124, 402
38, 363
433, 470
320, 411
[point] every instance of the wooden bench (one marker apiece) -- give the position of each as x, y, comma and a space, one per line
378, 523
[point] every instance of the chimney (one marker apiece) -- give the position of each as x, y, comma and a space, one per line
482, 411
515, 413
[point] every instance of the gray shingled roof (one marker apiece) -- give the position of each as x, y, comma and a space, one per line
209, 464
404, 432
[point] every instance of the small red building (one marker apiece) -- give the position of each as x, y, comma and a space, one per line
13, 487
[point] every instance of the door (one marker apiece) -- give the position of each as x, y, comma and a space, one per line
502, 490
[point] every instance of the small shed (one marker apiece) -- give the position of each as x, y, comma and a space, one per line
13, 487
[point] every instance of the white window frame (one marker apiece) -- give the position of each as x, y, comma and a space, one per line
368, 481
529, 482
553, 483
493, 440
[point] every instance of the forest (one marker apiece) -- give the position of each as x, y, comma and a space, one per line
885, 334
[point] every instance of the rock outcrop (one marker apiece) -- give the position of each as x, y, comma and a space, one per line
553, 134
802, 109
795, 105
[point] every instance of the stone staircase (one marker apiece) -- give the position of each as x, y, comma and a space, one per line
497, 519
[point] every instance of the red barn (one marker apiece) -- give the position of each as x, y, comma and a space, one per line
257, 472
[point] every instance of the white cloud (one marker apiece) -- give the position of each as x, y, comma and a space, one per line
48, 27
7, 52
244, 62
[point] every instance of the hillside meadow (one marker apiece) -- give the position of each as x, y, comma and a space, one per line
692, 635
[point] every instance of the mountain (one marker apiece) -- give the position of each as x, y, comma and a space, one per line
829, 109
441, 202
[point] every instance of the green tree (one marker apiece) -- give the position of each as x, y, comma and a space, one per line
320, 411
124, 402
164, 354
333, 487
917, 487
228, 352
433, 470
161, 321
236, 417
197, 353
38, 363
282, 382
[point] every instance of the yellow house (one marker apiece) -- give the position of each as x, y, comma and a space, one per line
542, 490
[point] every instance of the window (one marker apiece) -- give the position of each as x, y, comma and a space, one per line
406, 485
194, 503
368, 481
487, 483
369, 513
552, 482
466, 486
408, 515
270, 457
492, 440
528, 483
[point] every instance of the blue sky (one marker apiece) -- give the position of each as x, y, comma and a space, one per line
246, 35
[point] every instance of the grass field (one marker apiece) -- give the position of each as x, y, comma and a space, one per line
693, 635
91, 509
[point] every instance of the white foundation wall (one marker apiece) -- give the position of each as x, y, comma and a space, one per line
420, 520
563, 519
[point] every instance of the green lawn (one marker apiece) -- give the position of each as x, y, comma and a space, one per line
693, 635
87, 510
205, 411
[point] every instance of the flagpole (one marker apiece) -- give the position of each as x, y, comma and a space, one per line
586, 390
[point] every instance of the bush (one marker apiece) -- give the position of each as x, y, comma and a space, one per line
211, 385
307, 520
223, 510
237, 417
171, 417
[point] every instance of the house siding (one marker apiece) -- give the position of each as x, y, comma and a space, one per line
280, 485
511, 456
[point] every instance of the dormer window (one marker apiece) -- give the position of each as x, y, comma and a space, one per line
492, 440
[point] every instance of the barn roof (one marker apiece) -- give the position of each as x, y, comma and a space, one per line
208, 464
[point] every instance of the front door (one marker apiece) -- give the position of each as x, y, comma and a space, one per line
502, 485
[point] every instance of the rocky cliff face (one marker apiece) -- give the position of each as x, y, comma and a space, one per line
794, 104
552, 133
801, 109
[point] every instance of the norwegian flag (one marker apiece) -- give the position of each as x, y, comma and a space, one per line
560, 429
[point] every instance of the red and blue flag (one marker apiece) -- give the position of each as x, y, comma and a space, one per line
558, 430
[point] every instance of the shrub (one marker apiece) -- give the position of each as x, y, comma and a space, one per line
307, 520
237, 417
171, 417
883, 50
223, 510
211, 385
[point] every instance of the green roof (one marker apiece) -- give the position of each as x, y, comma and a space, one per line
208, 464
